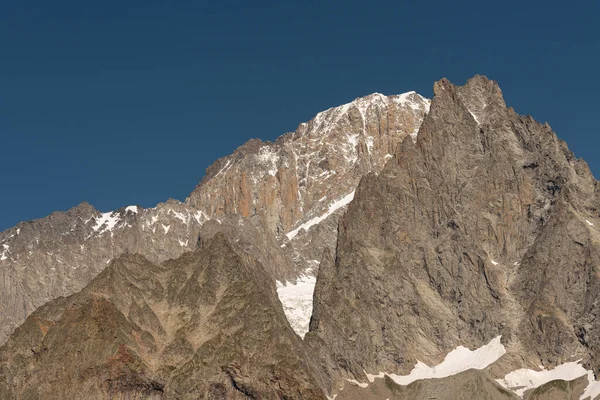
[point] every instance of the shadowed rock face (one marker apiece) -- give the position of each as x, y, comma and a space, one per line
259, 193
206, 325
485, 226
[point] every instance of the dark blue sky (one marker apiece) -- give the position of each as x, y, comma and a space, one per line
127, 102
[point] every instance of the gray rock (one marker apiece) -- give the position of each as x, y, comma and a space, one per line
206, 325
476, 230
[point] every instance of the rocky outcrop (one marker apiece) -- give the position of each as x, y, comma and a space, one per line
319, 162
206, 325
289, 184
483, 227
58, 255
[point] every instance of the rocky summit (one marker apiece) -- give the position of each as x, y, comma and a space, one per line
390, 248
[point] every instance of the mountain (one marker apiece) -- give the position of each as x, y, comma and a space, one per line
483, 228
205, 325
276, 188
445, 249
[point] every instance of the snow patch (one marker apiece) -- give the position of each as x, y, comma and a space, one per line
589, 223
166, 228
369, 142
333, 207
593, 388
297, 302
200, 217
269, 157
405, 99
133, 209
182, 243
107, 220
362, 385
3, 255
371, 378
181, 216
352, 142
493, 262
521, 380
458, 360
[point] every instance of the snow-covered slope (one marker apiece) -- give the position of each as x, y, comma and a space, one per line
297, 299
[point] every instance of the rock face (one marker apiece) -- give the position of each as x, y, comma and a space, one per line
485, 226
58, 255
206, 325
290, 185
307, 169
257, 194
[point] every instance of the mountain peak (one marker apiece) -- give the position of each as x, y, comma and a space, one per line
480, 97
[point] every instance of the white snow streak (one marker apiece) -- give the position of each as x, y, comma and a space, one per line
589, 223
362, 385
225, 168
181, 216
133, 209
521, 380
458, 360
3, 256
199, 215
333, 207
475, 117
493, 262
297, 302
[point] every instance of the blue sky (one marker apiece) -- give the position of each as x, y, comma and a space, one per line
127, 102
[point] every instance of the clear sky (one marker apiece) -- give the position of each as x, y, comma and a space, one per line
127, 102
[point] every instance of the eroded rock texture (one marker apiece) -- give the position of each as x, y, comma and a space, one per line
205, 325
485, 226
